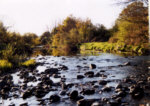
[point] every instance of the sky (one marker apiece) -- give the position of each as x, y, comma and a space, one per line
38, 16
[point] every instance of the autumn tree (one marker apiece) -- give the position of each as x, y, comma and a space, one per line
132, 25
46, 38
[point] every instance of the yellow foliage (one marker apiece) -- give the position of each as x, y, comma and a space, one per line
28, 63
4, 64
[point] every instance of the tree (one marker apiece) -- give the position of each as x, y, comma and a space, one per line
46, 38
133, 24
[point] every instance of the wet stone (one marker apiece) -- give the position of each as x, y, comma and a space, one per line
96, 104
92, 66
51, 71
27, 94
80, 76
88, 91
89, 74
102, 82
24, 104
107, 89
73, 95
54, 98
62, 92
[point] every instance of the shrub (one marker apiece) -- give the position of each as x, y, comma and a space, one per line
5, 64
29, 63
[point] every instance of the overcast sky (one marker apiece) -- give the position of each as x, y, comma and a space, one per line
38, 15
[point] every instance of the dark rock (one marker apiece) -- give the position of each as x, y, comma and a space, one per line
127, 63
54, 98
148, 79
51, 71
80, 76
102, 82
102, 70
118, 86
92, 66
98, 74
73, 95
113, 103
63, 67
118, 99
88, 91
56, 76
62, 92
24, 104
121, 94
84, 102
89, 74
79, 98
39, 93
107, 89
136, 91
27, 94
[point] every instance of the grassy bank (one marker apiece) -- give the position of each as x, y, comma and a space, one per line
115, 48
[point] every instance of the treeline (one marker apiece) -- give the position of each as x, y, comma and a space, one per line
14, 47
131, 28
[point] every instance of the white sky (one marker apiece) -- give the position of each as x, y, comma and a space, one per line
38, 15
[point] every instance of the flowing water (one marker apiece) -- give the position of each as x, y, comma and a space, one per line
113, 68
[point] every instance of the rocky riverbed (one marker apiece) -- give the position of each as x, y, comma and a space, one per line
104, 80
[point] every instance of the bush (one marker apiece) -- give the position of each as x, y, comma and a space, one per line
29, 63
5, 64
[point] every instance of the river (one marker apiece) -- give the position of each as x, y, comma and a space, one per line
104, 80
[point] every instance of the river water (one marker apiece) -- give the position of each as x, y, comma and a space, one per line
112, 68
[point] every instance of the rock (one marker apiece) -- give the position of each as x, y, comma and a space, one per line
113, 103
118, 99
56, 76
88, 91
54, 98
73, 95
46, 80
102, 82
148, 79
62, 92
118, 86
63, 67
51, 71
121, 94
27, 94
80, 76
127, 63
39, 93
102, 70
107, 89
127, 80
24, 104
89, 74
92, 66
136, 91
96, 104
84, 102
98, 74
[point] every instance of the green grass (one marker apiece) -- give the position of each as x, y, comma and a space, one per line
113, 47
5, 64
29, 63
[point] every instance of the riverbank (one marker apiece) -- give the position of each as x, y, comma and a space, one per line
114, 48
